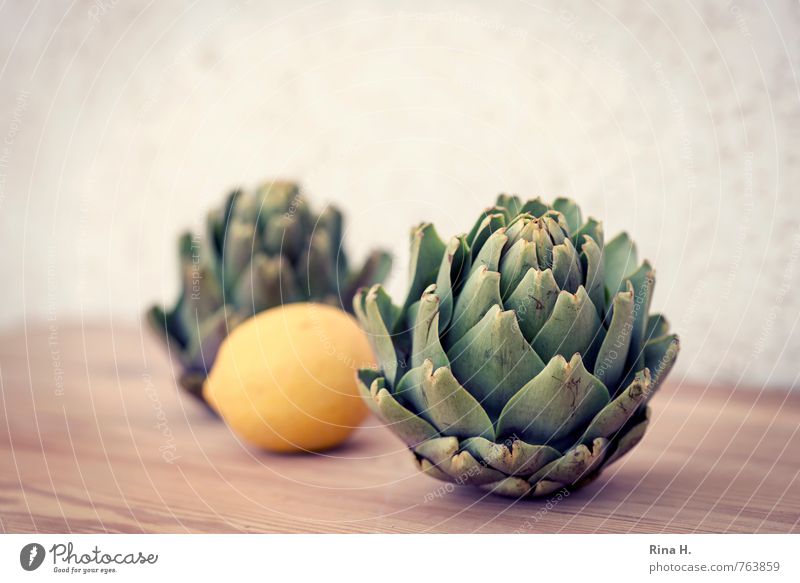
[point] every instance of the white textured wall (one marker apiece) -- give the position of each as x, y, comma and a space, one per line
121, 121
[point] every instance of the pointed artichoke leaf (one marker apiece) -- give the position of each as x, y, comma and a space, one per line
425, 341
279, 197
409, 427
521, 227
294, 236
431, 469
236, 252
513, 457
556, 226
610, 364
480, 293
465, 469
267, 282
545, 488
659, 356
592, 228
359, 308
452, 273
489, 224
533, 300
567, 267
460, 466
246, 209
217, 225
515, 264
492, 249
629, 439
573, 327
577, 464
411, 317
201, 294
192, 381
331, 221
657, 326
544, 244
377, 317
571, 212
620, 259
480, 222
195, 312
592, 263
167, 328
613, 417
156, 317
535, 207
283, 234
427, 250
643, 281
558, 402
365, 377
206, 337
439, 399
317, 273
439, 451
511, 204
493, 360
189, 253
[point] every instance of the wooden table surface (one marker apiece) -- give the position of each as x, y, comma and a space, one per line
95, 437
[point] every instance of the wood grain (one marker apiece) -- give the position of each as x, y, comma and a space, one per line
96, 437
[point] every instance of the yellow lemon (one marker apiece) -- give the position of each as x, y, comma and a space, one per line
284, 380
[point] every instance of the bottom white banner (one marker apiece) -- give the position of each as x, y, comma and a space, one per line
353, 558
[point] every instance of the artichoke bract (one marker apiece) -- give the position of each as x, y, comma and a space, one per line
261, 249
523, 357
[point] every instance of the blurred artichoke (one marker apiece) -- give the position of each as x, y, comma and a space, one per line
523, 357
261, 249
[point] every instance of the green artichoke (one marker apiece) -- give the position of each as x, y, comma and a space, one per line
261, 249
523, 357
